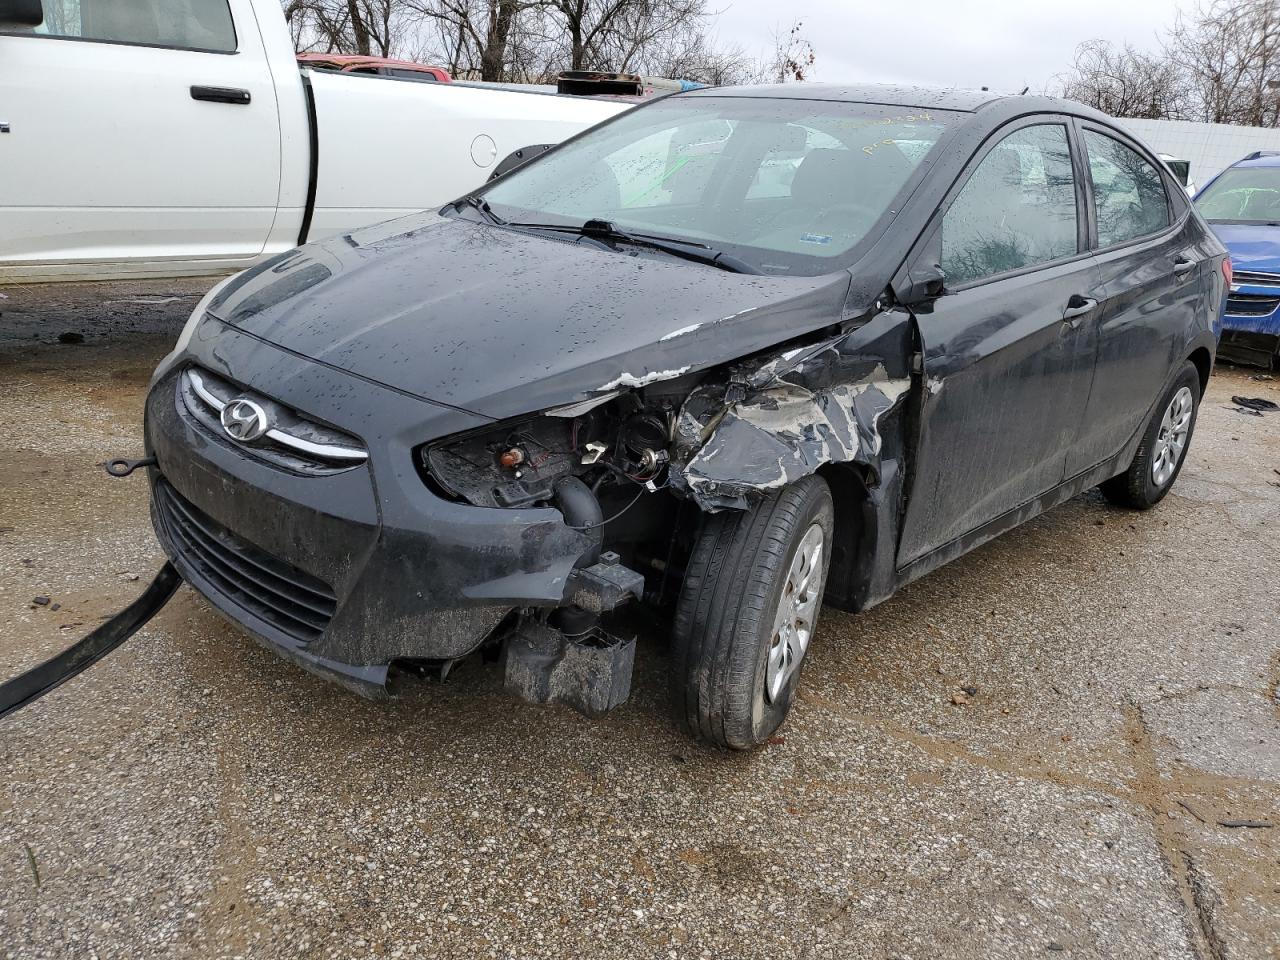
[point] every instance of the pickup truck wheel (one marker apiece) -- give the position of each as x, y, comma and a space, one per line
1163, 450
747, 611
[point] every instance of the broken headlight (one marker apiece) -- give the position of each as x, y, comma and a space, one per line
517, 463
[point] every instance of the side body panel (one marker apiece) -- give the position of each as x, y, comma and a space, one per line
1152, 306
429, 143
110, 161
1006, 379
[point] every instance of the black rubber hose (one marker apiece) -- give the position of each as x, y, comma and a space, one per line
581, 511
36, 682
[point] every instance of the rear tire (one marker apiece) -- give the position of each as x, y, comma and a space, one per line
1164, 446
747, 612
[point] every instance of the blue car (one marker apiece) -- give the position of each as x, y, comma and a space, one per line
1242, 205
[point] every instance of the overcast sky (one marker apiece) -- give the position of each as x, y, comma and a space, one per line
1003, 44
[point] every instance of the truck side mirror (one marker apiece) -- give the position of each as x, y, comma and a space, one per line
511, 161
26, 13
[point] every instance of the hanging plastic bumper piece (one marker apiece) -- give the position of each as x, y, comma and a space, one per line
36, 682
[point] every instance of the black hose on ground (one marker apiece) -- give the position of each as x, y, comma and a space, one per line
39, 680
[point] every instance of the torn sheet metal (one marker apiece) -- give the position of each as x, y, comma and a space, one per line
809, 406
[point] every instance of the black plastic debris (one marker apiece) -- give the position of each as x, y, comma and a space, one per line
1256, 404
70, 337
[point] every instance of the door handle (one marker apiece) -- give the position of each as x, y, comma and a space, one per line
1182, 266
220, 94
1077, 308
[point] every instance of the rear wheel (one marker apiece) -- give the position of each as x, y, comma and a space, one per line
1163, 449
747, 612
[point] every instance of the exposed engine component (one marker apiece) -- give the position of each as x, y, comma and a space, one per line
622, 442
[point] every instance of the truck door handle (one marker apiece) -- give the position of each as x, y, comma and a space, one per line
1182, 266
1077, 308
220, 94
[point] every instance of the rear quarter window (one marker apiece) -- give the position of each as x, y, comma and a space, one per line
1129, 198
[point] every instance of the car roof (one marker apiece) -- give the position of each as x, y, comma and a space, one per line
889, 94
905, 95
1259, 162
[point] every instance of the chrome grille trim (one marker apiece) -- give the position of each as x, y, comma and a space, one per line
1255, 277
1251, 305
335, 454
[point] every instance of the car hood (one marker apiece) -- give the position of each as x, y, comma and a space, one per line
1253, 246
502, 322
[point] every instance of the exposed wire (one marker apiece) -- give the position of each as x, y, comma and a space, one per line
594, 526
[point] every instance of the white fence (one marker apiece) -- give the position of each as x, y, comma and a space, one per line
1211, 147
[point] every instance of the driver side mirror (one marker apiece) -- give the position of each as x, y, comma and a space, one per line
924, 280
509, 162
25, 13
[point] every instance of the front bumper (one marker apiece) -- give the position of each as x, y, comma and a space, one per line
348, 572
1251, 324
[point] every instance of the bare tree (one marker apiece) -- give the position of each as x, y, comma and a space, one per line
793, 56
695, 56
1230, 50
535, 40
1220, 63
473, 37
1124, 82
369, 27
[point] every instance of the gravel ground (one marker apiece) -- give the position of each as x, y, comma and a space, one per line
193, 795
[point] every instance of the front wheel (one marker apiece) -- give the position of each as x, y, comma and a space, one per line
1163, 448
747, 613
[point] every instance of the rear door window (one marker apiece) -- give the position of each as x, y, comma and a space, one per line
183, 24
1017, 209
1129, 199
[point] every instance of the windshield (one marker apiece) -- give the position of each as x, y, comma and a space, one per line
1242, 195
786, 186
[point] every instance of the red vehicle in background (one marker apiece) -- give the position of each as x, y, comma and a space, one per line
380, 66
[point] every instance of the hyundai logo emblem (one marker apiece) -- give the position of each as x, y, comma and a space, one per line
244, 420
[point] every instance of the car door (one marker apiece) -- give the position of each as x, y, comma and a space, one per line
138, 130
1007, 348
1150, 289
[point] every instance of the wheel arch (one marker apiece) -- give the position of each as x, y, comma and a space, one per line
1203, 361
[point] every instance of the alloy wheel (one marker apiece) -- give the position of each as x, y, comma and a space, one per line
797, 612
1171, 441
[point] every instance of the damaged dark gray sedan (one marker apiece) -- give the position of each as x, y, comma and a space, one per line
731, 354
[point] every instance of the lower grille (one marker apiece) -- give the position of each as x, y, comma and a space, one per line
1251, 305
294, 602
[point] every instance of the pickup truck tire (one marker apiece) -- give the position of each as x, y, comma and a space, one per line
1160, 456
753, 576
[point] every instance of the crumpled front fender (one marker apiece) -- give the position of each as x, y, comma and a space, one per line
786, 417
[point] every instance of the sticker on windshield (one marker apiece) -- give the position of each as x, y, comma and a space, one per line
814, 238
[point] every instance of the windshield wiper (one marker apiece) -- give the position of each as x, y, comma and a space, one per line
480, 204
604, 230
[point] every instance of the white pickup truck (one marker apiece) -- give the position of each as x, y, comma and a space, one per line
150, 138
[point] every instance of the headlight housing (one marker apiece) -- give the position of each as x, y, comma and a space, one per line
193, 321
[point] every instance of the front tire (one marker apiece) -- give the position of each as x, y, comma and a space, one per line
747, 612
1164, 446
